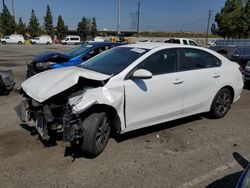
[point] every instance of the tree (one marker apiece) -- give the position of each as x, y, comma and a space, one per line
93, 29
83, 29
7, 22
61, 28
21, 27
247, 14
231, 22
33, 28
48, 22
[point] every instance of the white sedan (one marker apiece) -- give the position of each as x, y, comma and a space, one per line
128, 88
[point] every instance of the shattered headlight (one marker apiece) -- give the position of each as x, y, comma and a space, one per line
44, 65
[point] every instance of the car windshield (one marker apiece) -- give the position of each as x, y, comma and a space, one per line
78, 50
114, 61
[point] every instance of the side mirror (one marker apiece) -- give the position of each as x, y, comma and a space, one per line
142, 74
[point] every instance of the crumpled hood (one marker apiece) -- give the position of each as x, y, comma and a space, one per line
49, 83
50, 55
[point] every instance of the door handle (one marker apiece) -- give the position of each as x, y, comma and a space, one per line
178, 81
215, 75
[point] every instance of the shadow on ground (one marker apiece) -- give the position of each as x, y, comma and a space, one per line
230, 181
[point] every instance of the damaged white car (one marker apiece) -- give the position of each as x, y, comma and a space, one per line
128, 88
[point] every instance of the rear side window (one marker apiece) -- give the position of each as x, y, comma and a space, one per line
161, 62
73, 38
192, 59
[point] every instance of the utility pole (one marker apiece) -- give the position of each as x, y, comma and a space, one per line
13, 9
3, 3
138, 17
208, 24
119, 18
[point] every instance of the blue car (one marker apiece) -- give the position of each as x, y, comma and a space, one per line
74, 57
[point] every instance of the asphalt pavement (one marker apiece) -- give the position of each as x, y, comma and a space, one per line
190, 152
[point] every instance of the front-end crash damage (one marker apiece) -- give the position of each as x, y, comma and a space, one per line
60, 105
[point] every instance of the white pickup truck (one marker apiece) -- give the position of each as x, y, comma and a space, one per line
183, 41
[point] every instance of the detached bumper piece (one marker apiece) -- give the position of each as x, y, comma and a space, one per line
7, 82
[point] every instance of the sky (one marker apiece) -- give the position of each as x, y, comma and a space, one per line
155, 15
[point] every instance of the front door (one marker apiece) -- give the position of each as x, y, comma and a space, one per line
155, 100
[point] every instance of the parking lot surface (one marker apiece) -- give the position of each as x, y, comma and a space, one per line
191, 152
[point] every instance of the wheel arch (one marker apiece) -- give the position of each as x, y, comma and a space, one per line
110, 110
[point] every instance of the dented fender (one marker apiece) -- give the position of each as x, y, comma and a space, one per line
113, 97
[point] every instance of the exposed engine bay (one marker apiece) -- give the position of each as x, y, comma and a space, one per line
55, 114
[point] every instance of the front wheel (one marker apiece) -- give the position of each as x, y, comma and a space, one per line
20, 43
221, 103
96, 133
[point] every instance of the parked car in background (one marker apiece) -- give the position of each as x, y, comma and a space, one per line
225, 46
71, 39
44, 39
182, 41
76, 56
247, 74
240, 54
13, 39
97, 39
127, 88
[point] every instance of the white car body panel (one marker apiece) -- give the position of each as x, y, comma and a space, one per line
137, 105
147, 108
46, 84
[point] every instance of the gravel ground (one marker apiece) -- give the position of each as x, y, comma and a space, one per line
191, 152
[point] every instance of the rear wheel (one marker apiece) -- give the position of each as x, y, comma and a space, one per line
96, 133
19, 42
4, 42
221, 103
47, 43
34, 43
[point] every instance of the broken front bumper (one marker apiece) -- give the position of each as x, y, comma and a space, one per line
42, 118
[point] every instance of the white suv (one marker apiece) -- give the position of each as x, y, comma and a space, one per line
13, 39
127, 88
183, 41
44, 39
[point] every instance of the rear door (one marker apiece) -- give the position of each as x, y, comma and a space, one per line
202, 74
151, 101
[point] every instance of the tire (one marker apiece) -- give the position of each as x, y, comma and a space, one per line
221, 103
20, 43
4, 42
34, 43
96, 133
47, 43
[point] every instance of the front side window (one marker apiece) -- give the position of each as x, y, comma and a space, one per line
192, 59
192, 43
185, 42
238, 51
114, 61
161, 62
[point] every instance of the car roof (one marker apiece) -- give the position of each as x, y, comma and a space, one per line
103, 43
152, 45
